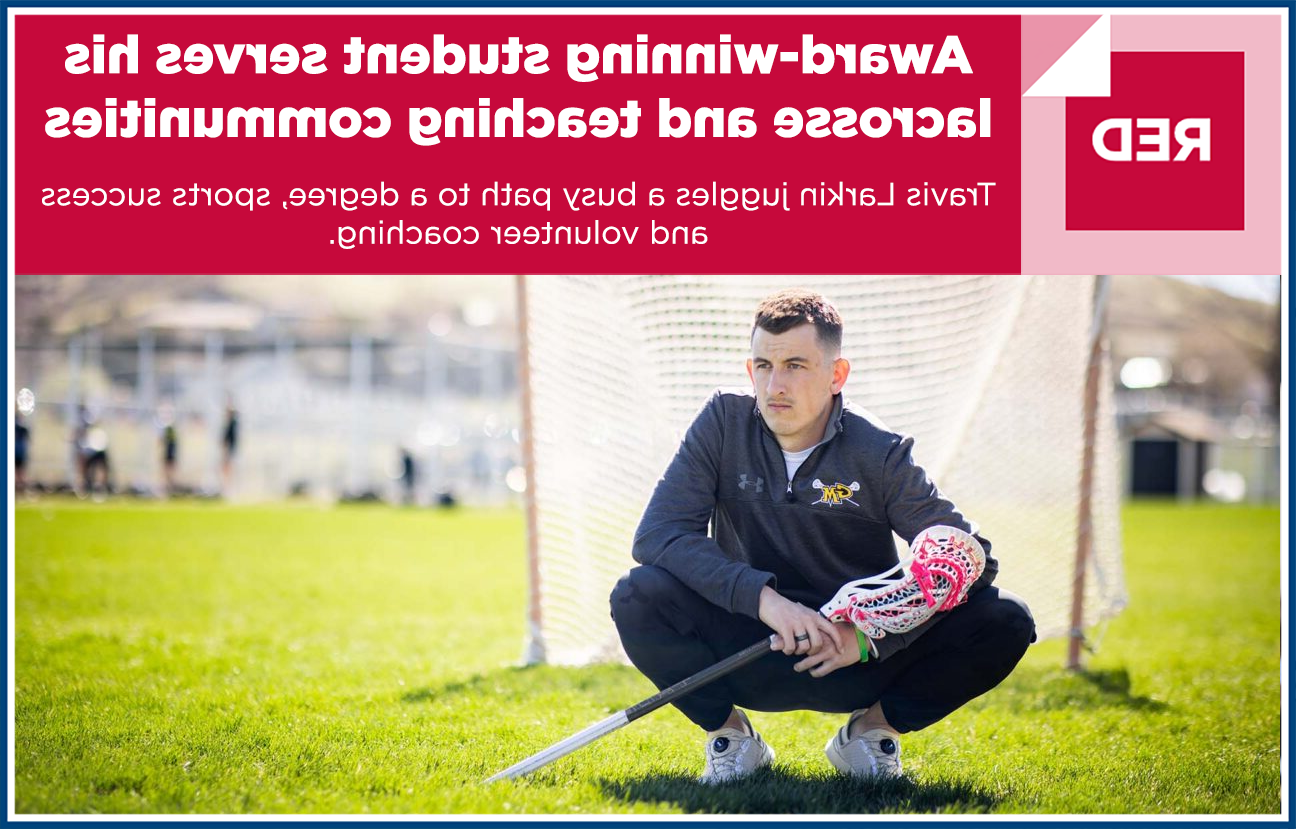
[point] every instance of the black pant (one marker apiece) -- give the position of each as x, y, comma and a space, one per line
669, 632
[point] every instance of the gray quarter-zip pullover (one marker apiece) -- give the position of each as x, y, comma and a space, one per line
832, 523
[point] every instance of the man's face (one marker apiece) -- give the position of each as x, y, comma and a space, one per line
794, 381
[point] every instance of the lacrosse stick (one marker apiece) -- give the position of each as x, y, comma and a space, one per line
943, 563
622, 718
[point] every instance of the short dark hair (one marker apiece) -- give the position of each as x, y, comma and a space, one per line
791, 307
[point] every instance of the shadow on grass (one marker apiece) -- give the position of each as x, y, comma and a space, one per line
615, 682
774, 791
1115, 684
1027, 689
1036, 689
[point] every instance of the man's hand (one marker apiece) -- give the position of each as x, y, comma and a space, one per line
831, 658
791, 620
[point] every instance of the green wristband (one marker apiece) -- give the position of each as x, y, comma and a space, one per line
863, 644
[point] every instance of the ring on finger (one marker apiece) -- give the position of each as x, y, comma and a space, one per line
802, 637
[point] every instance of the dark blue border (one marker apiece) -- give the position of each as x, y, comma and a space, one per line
793, 7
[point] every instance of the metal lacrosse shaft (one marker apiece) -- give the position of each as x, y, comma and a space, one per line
621, 718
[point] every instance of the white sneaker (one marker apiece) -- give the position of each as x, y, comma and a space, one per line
873, 754
732, 754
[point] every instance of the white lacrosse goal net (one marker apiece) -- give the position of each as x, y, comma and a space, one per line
987, 373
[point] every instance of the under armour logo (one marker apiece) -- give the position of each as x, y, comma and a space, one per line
743, 483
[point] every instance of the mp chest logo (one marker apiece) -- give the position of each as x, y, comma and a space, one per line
835, 494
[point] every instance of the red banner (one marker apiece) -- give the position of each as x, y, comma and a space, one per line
514, 143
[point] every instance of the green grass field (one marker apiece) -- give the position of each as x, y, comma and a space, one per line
204, 658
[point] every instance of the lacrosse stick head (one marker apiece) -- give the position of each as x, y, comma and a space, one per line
942, 565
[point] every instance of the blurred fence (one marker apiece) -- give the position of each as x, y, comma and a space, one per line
327, 418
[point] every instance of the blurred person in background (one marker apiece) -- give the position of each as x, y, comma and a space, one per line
80, 449
170, 450
408, 477
22, 445
96, 470
229, 446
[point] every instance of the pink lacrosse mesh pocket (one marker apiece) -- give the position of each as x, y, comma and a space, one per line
943, 563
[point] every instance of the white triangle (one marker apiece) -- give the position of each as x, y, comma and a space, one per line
1083, 71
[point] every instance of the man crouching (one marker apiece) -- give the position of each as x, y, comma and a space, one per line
802, 492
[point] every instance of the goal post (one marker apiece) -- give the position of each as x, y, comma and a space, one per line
988, 373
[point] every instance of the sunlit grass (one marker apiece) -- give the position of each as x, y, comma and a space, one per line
203, 658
